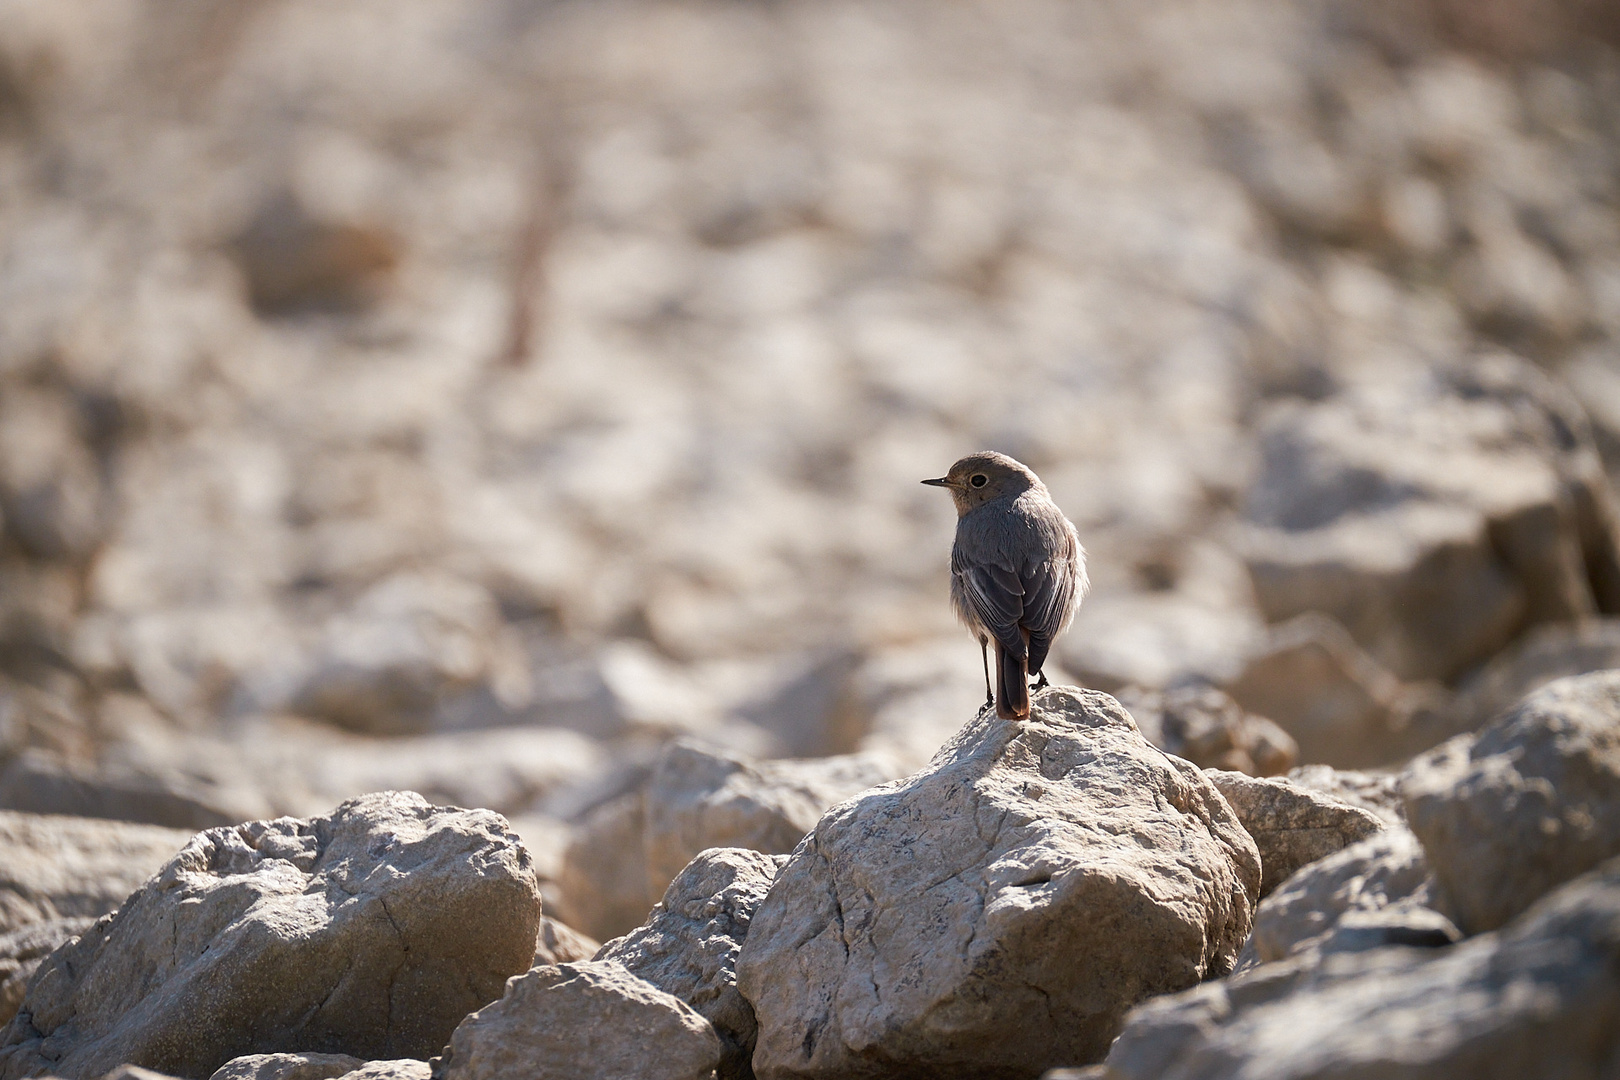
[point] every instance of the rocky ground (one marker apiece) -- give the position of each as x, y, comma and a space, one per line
520, 403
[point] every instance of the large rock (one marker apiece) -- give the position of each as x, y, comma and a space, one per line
395, 1069
135, 1072
1529, 803
1209, 729
1433, 517
1541, 998
587, 1021
689, 945
55, 867
1376, 892
999, 912
22, 951
1291, 825
630, 849
369, 932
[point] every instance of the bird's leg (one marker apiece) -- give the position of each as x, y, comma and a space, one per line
984, 653
1040, 681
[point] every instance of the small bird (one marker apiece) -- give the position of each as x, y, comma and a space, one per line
1018, 572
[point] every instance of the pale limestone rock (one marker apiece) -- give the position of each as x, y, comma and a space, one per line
1527, 804
587, 1021
371, 931
690, 943
1291, 825
1337, 902
1002, 909
1539, 998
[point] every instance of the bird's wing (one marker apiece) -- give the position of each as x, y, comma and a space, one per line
996, 594
1048, 586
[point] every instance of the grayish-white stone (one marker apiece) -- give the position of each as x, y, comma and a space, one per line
1529, 803
370, 932
1291, 825
587, 1021
1334, 902
560, 943
1433, 515
689, 945
999, 911
1539, 998
1378, 792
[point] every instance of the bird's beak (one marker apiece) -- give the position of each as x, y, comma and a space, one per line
943, 481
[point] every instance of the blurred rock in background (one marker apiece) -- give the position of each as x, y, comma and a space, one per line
477, 397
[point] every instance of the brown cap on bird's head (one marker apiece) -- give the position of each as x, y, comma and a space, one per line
984, 477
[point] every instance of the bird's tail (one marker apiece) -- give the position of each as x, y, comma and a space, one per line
1012, 684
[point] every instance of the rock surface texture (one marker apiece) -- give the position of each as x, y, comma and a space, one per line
1377, 792
998, 912
1291, 825
370, 932
1531, 802
1377, 892
1540, 998
587, 1021
689, 946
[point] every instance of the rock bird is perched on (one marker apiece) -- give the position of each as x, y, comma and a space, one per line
1018, 572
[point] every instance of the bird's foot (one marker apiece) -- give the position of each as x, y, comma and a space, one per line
1040, 682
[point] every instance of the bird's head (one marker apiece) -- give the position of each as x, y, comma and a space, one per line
985, 477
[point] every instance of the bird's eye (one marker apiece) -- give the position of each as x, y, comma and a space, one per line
978, 479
